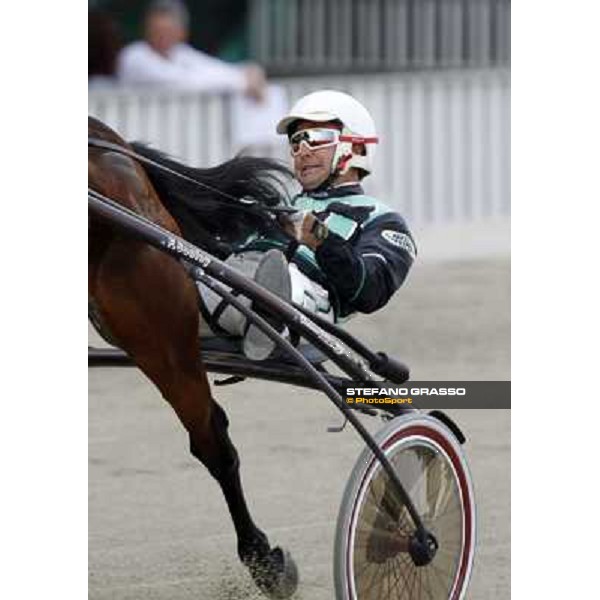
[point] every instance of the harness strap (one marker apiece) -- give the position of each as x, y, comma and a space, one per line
212, 319
216, 315
205, 313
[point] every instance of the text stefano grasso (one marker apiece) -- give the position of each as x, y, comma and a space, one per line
423, 391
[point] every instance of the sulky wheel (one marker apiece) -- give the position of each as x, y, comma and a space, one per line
373, 559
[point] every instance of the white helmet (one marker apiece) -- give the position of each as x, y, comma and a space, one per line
358, 126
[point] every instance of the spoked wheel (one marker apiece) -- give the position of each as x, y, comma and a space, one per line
374, 529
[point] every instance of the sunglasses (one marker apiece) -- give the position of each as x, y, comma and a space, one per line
323, 138
314, 139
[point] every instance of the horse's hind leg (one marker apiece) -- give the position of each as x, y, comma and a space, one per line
161, 334
273, 570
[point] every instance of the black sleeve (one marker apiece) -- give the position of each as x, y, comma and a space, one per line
366, 270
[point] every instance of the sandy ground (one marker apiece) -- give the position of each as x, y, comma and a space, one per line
158, 527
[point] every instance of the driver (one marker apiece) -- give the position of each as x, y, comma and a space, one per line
350, 251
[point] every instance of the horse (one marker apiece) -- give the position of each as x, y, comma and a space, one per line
145, 302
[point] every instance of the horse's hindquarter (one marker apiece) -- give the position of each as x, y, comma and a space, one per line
143, 296
122, 179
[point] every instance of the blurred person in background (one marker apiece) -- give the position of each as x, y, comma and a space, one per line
104, 44
350, 252
164, 58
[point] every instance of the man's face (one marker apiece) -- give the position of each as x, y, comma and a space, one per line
163, 31
313, 167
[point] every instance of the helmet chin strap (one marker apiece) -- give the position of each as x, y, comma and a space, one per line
342, 156
343, 164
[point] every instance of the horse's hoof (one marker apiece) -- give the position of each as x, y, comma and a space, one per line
276, 575
286, 582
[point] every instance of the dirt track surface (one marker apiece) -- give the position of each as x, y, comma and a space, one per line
158, 526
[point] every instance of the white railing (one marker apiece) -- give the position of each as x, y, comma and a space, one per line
445, 136
191, 127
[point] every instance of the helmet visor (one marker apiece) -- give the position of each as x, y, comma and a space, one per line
314, 139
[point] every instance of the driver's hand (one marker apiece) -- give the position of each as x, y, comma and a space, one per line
301, 226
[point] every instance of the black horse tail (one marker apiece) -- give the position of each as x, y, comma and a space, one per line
209, 209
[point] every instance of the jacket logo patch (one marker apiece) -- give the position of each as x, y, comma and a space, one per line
401, 240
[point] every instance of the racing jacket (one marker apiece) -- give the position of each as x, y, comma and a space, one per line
366, 255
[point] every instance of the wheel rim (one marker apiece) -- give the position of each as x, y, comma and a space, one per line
377, 560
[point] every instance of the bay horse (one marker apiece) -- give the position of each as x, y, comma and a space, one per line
145, 302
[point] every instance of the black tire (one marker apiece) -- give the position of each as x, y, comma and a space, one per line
371, 561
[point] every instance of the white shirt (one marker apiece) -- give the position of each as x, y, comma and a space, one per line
184, 68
